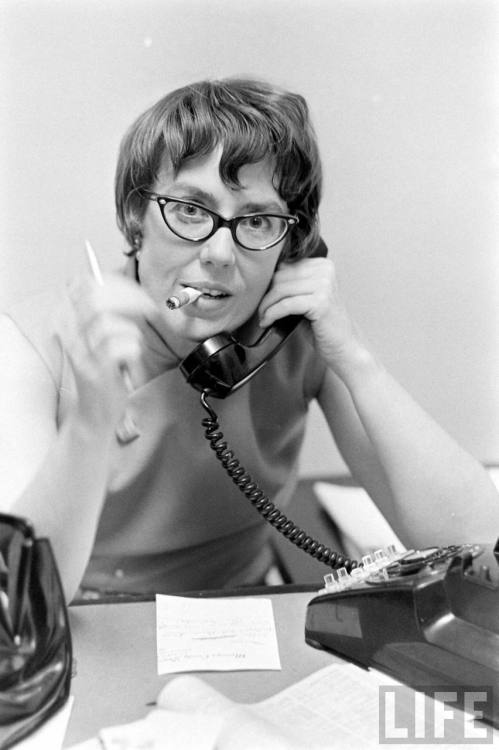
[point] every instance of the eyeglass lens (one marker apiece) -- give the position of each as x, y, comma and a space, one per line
193, 223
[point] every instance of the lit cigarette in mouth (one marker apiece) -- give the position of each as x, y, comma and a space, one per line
185, 297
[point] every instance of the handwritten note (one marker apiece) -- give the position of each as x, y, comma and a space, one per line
215, 634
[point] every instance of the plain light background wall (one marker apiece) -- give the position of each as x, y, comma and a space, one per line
405, 98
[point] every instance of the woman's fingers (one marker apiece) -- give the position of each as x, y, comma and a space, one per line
304, 288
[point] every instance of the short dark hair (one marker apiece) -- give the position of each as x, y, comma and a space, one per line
251, 120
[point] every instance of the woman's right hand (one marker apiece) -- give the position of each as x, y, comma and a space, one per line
101, 330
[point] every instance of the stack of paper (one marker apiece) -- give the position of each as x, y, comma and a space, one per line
336, 708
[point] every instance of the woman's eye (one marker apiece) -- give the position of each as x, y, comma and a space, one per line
258, 222
188, 211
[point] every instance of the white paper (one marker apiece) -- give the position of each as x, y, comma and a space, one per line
361, 524
162, 729
50, 735
195, 635
241, 728
335, 708
338, 707
322, 711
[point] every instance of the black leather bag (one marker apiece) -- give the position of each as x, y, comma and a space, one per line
35, 639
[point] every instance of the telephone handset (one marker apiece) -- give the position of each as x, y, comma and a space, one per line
218, 367
222, 364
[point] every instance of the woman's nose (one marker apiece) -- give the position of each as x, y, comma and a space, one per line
219, 248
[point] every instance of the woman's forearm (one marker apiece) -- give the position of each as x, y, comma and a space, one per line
440, 493
65, 497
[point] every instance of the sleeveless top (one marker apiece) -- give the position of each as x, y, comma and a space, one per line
172, 519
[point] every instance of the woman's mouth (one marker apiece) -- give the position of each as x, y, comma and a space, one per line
210, 293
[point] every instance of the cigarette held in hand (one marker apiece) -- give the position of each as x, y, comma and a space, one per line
185, 297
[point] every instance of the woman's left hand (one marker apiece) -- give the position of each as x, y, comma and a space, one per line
309, 287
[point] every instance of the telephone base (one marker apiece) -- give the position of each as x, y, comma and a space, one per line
431, 622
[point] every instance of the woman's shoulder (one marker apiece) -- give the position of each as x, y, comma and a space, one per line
28, 326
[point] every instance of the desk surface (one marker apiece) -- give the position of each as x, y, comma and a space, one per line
116, 675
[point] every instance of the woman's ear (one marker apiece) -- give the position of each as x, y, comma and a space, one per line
134, 248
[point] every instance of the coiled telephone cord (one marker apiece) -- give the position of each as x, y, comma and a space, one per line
260, 500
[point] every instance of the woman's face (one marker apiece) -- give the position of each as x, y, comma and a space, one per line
233, 279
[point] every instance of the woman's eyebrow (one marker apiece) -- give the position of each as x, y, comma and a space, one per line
196, 193
205, 197
263, 207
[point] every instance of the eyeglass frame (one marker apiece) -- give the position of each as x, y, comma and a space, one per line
219, 221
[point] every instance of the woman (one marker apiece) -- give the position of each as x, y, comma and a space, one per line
102, 446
